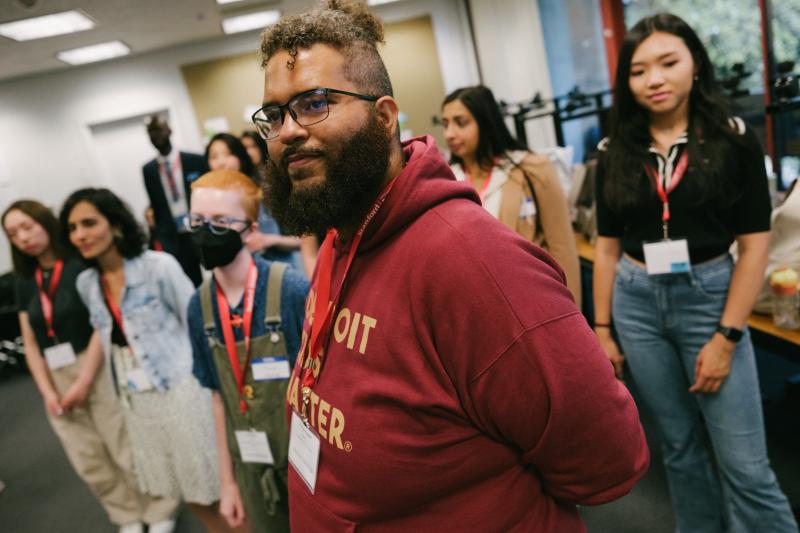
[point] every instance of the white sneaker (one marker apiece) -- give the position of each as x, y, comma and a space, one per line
134, 527
165, 526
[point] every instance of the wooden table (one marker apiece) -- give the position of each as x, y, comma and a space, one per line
761, 326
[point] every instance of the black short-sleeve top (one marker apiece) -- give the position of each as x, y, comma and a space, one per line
70, 316
710, 227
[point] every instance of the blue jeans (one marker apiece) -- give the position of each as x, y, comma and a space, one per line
663, 322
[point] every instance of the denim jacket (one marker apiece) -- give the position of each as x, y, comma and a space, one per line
154, 308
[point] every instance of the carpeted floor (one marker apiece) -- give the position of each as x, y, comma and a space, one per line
44, 495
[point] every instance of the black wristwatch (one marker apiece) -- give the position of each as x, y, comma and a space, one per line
732, 334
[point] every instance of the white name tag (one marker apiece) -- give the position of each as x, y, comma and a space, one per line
667, 257
60, 355
138, 381
304, 451
254, 447
270, 368
527, 209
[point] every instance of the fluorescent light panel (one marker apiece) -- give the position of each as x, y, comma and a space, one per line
46, 26
379, 2
250, 21
93, 53
222, 2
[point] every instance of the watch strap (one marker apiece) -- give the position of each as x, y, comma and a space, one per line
732, 334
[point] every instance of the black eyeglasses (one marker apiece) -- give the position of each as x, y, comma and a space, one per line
217, 225
306, 108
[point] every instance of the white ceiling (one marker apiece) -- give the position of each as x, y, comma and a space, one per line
144, 25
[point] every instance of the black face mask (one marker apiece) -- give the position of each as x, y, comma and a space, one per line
216, 250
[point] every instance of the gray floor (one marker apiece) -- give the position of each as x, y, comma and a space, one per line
43, 494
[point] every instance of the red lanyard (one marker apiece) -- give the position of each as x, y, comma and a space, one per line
677, 176
112, 305
324, 308
239, 372
485, 187
46, 297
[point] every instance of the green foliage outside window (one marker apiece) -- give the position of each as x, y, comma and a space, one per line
786, 31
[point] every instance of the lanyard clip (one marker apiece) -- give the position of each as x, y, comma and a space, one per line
306, 399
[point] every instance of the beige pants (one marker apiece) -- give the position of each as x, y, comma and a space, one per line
96, 443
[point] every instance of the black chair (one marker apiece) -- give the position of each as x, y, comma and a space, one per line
11, 353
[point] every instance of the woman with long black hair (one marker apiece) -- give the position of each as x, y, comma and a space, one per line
516, 186
679, 181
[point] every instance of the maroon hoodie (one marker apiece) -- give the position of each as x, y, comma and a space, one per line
461, 389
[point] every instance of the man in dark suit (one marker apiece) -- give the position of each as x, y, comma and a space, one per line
167, 179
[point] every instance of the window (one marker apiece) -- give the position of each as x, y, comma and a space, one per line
786, 30
785, 26
576, 57
730, 31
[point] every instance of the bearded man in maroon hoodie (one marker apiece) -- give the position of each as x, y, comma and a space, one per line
446, 380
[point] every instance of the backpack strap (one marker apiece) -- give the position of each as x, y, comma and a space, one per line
208, 312
272, 316
529, 183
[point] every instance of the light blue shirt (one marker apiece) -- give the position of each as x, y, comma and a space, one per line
268, 225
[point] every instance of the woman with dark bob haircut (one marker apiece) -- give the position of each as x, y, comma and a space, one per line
138, 303
256, 148
65, 358
516, 186
224, 146
679, 180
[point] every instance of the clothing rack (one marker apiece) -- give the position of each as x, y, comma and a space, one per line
784, 106
571, 106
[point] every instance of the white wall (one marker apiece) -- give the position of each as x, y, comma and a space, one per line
451, 32
512, 56
45, 143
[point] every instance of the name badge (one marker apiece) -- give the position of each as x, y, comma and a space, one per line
527, 209
304, 451
138, 381
270, 368
59, 356
667, 257
254, 447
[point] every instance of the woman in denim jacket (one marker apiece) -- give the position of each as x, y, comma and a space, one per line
138, 302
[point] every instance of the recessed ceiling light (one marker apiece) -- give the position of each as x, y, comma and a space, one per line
251, 21
46, 26
95, 52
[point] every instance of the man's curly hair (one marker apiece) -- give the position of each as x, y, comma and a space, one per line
346, 25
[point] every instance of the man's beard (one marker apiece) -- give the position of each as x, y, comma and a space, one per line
353, 175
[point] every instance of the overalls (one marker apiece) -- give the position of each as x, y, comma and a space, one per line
263, 487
